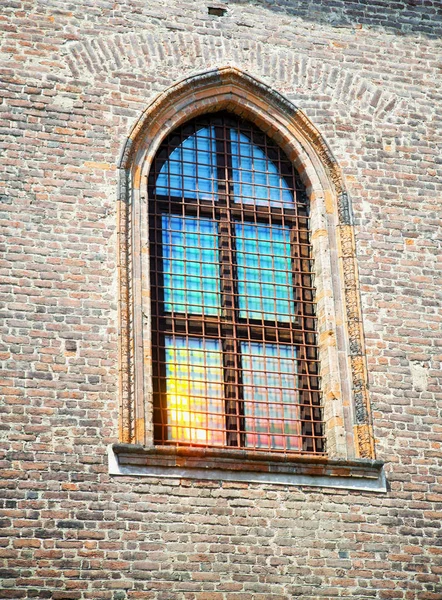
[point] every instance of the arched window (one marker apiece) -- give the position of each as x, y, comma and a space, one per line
230, 367
235, 358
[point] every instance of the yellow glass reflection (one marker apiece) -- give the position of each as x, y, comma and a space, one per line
186, 425
194, 391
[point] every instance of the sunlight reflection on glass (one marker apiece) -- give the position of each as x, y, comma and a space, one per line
195, 390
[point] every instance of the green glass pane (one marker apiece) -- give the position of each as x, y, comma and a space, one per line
190, 265
265, 285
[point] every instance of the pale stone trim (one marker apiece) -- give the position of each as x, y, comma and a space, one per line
363, 475
343, 371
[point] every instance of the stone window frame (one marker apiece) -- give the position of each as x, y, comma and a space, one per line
347, 415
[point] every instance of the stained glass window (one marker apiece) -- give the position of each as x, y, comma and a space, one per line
235, 357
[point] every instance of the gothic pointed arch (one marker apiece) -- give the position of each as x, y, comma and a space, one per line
341, 347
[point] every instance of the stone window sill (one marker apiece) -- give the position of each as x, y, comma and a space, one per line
242, 465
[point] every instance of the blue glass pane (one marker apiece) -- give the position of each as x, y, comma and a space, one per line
256, 179
271, 407
195, 389
190, 171
265, 284
190, 265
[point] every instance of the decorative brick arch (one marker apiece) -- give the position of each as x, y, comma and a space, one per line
343, 370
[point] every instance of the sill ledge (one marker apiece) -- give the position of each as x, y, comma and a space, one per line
246, 466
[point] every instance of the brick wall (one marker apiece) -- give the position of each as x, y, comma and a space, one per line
75, 78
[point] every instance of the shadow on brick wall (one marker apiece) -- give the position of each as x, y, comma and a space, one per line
404, 17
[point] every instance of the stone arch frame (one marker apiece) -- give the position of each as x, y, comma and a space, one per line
341, 343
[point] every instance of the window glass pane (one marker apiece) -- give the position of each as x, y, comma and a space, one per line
194, 387
270, 396
226, 312
190, 264
265, 285
256, 179
190, 171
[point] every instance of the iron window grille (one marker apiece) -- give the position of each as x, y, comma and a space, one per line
235, 357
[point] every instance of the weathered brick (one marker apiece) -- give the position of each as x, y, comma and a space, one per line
75, 79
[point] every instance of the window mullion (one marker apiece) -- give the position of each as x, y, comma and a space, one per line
231, 357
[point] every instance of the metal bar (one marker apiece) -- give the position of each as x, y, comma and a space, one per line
225, 334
